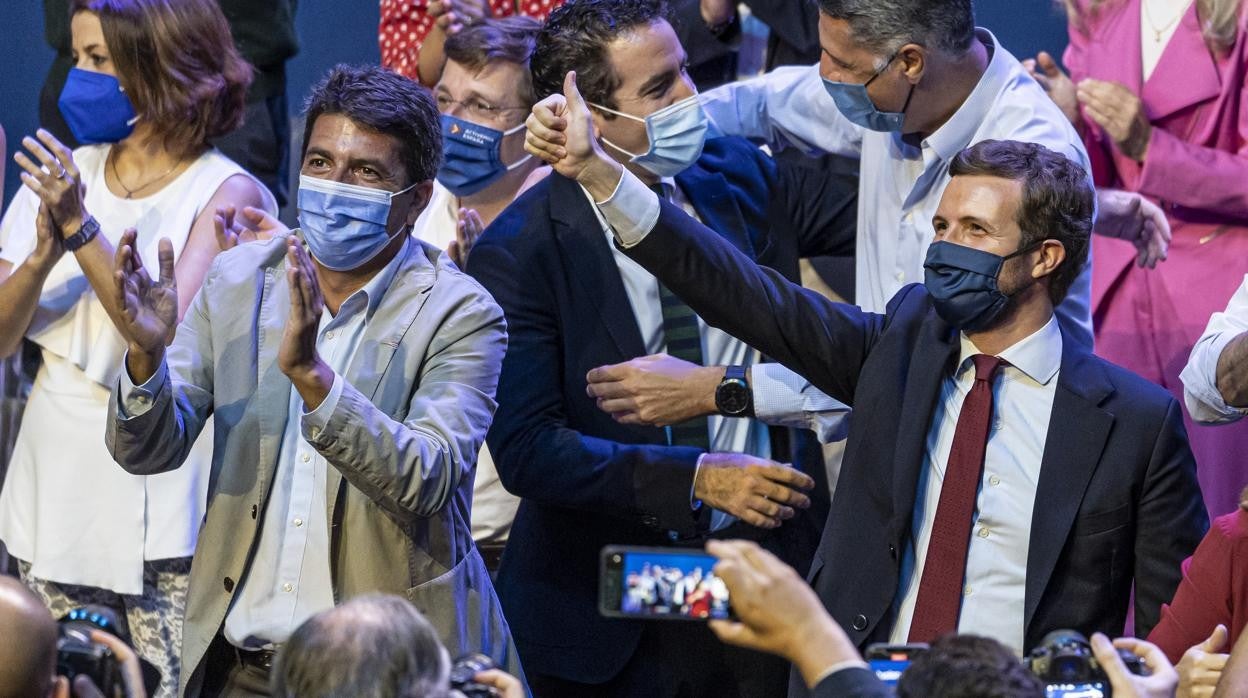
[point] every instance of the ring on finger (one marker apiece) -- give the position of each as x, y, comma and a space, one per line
62, 173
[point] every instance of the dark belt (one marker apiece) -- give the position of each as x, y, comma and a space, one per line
259, 659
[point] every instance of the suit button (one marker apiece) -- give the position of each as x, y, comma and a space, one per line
651, 521
229, 584
254, 510
892, 551
860, 622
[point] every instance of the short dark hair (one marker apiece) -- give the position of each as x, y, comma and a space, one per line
883, 26
372, 646
968, 666
386, 103
510, 39
177, 63
1058, 203
575, 37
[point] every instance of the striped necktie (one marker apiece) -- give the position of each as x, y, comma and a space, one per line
684, 341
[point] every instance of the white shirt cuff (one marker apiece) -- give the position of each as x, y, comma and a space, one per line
694, 502
631, 211
1200, 381
136, 400
784, 399
312, 424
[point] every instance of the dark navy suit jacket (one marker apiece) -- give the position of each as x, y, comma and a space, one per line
1117, 501
585, 480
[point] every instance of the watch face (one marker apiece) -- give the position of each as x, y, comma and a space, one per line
732, 397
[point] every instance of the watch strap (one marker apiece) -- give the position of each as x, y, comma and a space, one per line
86, 232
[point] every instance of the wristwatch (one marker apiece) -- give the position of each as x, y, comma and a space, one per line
86, 232
733, 397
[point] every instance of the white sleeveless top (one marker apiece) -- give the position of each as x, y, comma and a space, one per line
66, 507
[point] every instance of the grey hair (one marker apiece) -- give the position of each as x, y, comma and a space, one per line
372, 646
884, 26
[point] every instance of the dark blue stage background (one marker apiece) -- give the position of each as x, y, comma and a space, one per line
332, 31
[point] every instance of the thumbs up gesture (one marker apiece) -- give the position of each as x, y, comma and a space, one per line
561, 133
1202, 666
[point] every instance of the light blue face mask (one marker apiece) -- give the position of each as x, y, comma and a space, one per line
677, 133
344, 225
855, 104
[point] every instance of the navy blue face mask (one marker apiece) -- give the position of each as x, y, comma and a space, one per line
963, 284
471, 159
95, 107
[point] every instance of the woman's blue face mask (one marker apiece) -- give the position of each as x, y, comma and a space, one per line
96, 108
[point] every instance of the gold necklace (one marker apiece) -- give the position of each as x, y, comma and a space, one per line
1157, 32
112, 162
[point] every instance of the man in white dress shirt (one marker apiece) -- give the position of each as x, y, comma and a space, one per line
1215, 380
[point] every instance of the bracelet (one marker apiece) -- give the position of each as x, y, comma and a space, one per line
86, 233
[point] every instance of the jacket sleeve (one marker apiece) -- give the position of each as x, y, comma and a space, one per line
538, 454
854, 682
823, 341
413, 467
159, 439
1172, 519
818, 198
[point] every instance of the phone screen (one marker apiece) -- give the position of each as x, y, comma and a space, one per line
659, 583
888, 671
1094, 689
888, 661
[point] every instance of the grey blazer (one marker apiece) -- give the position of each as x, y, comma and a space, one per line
402, 441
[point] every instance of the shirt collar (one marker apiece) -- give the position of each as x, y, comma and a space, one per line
1038, 355
957, 133
373, 291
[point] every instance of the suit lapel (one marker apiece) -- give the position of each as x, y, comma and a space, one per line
394, 316
1186, 73
1078, 430
931, 363
712, 199
587, 258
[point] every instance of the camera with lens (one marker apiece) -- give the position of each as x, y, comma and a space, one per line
78, 655
1065, 663
463, 671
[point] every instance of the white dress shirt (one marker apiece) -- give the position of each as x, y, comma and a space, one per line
289, 578
1200, 375
493, 507
900, 185
996, 561
996, 567
727, 434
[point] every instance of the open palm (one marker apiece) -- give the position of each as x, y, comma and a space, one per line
149, 307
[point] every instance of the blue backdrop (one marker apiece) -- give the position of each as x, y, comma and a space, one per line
333, 31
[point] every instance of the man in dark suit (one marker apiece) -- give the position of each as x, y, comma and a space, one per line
1040, 482
572, 304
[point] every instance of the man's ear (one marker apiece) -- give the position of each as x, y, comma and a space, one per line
1052, 255
421, 194
913, 58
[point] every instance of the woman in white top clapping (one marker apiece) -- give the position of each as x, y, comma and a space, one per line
154, 81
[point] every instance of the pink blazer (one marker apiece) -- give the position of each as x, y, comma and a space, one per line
1197, 161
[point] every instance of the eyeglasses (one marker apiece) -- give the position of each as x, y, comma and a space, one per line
474, 107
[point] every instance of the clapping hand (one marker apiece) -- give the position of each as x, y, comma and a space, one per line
149, 308
1117, 110
297, 353
55, 179
452, 15
1058, 85
49, 245
236, 228
1131, 217
467, 229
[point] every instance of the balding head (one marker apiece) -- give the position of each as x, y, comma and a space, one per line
372, 646
27, 642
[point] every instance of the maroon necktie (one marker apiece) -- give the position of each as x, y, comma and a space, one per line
940, 590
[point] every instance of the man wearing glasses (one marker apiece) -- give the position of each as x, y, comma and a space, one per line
484, 95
